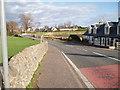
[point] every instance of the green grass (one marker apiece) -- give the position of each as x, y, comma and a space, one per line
69, 32
32, 83
17, 44
63, 32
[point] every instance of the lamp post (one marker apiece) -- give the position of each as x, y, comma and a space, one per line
4, 45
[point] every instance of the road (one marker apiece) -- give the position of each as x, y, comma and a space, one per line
98, 65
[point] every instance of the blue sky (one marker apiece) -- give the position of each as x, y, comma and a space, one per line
55, 13
103, 7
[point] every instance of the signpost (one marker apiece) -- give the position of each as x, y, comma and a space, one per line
4, 45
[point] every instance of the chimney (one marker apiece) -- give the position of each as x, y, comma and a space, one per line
101, 21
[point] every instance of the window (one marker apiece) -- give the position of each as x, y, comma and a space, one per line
103, 40
108, 41
90, 31
118, 28
106, 30
111, 42
94, 30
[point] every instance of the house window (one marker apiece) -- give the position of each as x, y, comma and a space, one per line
94, 30
111, 42
119, 30
106, 30
108, 41
90, 31
103, 40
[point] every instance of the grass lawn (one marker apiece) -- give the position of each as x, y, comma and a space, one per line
63, 32
17, 44
69, 32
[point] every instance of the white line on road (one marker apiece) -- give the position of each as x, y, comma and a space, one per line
85, 50
69, 46
78, 48
87, 83
106, 56
104, 49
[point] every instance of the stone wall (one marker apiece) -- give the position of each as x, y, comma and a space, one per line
23, 65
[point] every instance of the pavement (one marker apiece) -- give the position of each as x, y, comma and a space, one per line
55, 72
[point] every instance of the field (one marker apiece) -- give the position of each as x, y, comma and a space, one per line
17, 44
63, 32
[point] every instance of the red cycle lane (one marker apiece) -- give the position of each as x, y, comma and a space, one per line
103, 76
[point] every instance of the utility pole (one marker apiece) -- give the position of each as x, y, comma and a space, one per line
4, 45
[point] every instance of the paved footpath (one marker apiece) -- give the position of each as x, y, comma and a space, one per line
56, 72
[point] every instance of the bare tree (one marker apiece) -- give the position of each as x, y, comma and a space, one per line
11, 27
37, 24
46, 28
67, 24
26, 20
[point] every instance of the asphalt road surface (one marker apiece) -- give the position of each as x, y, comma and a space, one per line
99, 65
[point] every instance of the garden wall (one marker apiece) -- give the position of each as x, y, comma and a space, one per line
23, 65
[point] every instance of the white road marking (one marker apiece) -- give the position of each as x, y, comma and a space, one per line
85, 50
69, 46
106, 56
78, 48
87, 83
82, 49
104, 49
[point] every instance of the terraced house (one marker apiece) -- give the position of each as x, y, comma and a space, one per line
104, 34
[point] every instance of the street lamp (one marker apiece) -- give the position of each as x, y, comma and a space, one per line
4, 45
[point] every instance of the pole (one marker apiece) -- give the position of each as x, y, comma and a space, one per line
4, 45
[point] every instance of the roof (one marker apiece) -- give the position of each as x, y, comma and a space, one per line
113, 32
97, 25
113, 23
100, 31
86, 33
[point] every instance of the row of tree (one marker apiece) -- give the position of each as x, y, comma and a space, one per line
26, 21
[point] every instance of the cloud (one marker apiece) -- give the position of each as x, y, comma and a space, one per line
50, 14
107, 17
24, 1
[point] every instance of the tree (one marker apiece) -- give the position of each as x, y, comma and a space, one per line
46, 28
37, 24
11, 27
26, 20
67, 24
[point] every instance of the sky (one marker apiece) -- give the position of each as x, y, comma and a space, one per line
56, 13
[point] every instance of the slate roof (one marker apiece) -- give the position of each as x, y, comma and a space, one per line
87, 33
113, 24
113, 32
100, 30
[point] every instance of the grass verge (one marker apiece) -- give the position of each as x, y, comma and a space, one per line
62, 32
17, 44
32, 83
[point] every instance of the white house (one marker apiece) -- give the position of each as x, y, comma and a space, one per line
54, 29
68, 29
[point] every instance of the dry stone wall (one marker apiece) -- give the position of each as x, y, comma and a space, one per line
23, 65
